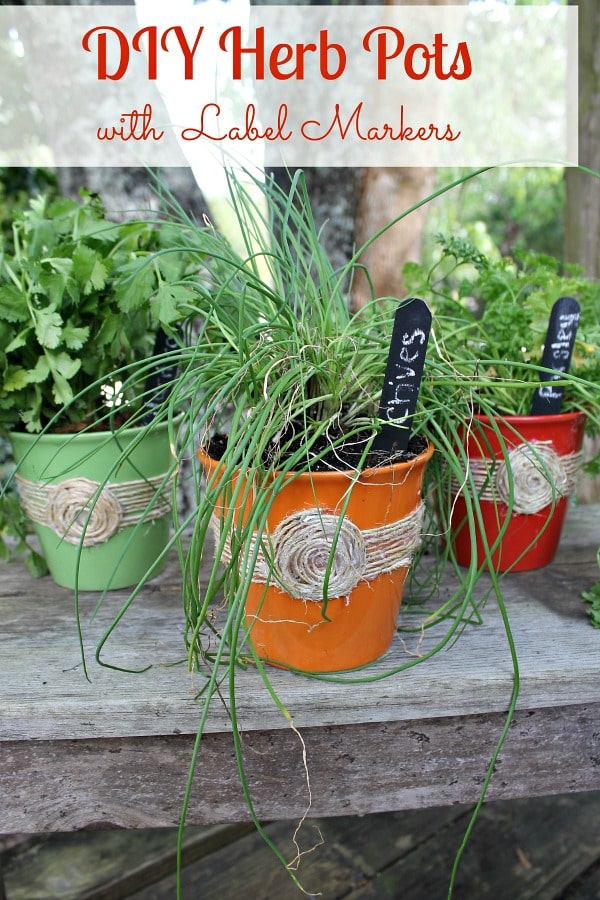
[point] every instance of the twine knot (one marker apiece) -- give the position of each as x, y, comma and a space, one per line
76, 510
537, 474
85, 512
312, 552
309, 545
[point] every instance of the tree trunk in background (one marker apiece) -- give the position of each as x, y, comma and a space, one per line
334, 199
128, 192
582, 213
384, 195
582, 217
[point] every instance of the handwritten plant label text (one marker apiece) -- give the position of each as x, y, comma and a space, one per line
558, 349
386, 45
404, 370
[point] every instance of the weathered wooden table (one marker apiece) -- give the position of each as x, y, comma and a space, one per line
116, 751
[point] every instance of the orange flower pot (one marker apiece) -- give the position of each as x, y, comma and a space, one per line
381, 527
544, 456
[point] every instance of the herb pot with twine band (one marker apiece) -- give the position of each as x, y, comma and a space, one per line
100, 502
529, 483
375, 543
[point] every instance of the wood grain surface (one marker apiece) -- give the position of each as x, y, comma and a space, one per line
116, 750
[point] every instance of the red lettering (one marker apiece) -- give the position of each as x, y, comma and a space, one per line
135, 126
237, 50
383, 54
280, 55
188, 53
409, 66
192, 134
308, 125
388, 43
248, 131
339, 54
136, 43
123, 49
353, 126
285, 61
462, 58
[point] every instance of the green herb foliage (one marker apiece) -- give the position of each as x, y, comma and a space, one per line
80, 296
493, 313
16, 188
15, 532
592, 598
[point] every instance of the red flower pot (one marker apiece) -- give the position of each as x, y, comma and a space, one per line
524, 468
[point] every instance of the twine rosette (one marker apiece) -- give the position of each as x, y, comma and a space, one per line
300, 558
539, 476
85, 512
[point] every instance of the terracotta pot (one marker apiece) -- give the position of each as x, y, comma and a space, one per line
544, 455
284, 608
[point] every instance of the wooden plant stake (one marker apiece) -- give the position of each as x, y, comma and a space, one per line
404, 370
558, 349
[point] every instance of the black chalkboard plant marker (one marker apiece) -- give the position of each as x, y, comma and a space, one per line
558, 350
538, 458
159, 383
403, 374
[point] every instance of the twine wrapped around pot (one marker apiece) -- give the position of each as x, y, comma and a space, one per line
300, 550
538, 474
83, 512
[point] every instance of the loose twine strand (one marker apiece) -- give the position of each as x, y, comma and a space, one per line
82, 512
299, 552
538, 474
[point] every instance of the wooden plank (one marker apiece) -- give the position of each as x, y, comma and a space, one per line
545, 848
139, 782
586, 886
45, 696
107, 865
524, 850
338, 855
421, 738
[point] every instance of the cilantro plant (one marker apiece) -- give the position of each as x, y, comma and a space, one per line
17, 186
81, 297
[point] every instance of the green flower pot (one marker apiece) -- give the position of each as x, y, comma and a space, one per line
97, 503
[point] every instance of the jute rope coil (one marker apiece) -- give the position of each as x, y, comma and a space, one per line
300, 550
538, 474
81, 512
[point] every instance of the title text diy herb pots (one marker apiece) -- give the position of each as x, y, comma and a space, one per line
99, 501
524, 469
374, 542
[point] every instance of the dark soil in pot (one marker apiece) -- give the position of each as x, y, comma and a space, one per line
322, 454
